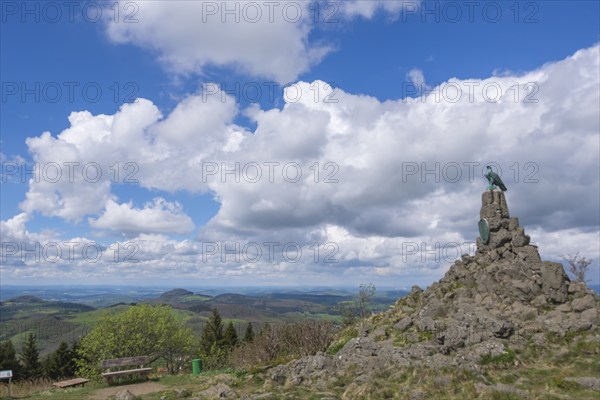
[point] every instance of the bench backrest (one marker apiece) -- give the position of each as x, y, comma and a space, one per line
122, 362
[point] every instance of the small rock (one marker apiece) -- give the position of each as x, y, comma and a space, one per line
379, 332
427, 324
125, 395
502, 329
404, 324
554, 281
442, 381
502, 388
415, 291
262, 396
362, 379
590, 315
219, 391
587, 382
417, 396
584, 303
539, 301
529, 254
564, 308
519, 238
182, 393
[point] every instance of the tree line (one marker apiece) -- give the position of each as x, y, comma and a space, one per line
28, 364
154, 331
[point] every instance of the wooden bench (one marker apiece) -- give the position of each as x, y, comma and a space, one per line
71, 382
139, 362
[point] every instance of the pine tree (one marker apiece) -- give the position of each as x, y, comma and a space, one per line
249, 334
213, 332
30, 358
230, 337
60, 364
8, 359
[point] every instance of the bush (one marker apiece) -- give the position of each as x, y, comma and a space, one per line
344, 336
142, 330
283, 343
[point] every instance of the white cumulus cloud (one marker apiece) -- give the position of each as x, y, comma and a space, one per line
160, 216
370, 176
262, 39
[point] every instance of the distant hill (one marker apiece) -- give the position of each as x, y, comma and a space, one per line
175, 293
25, 299
28, 302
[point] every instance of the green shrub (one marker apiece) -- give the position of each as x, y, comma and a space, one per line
508, 357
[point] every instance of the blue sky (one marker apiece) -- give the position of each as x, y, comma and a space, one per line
373, 54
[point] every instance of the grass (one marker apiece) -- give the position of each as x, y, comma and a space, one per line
42, 388
539, 381
506, 358
193, 297
88, 318
343, 337
540, 371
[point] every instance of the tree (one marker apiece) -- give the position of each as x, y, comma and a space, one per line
60, 363
249, 334
365, 296
142, 330
346, 310
578, 266
30, 359
230, 337
8, 358
213, 332
213, 344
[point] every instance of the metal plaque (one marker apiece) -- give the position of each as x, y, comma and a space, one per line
484, 231
6, 374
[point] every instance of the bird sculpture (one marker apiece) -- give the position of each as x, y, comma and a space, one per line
494, 180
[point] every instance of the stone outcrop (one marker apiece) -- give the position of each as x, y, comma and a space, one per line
124, 395
503, 296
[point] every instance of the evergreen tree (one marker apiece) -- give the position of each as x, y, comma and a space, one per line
230, 337
213, 332
8, 359
249, 334
60, 364
30, 359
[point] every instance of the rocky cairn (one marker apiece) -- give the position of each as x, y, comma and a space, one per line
503, 297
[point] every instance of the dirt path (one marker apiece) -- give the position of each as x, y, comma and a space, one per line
137, 388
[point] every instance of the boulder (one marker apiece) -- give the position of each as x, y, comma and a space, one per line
218, 391
125, 395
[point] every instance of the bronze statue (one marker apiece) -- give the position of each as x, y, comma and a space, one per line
494, 180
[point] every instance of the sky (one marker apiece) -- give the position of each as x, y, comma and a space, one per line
290, 143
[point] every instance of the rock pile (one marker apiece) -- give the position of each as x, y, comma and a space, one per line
504, 295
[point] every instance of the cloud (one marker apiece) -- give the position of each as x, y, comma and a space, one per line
160, 216
75, 171
344, 168
14, 228
254, 39
262, 39
417, 77
367, 9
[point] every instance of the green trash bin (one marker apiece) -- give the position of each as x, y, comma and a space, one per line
196, 366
